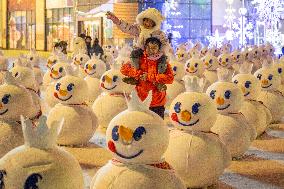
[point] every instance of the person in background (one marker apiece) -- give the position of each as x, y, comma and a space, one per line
97, 49
88, 41
82, 35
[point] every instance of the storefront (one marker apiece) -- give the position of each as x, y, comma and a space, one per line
1, 25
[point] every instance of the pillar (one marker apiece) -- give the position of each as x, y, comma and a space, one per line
40, 24
3, 24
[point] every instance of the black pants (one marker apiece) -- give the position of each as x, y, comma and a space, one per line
160, 110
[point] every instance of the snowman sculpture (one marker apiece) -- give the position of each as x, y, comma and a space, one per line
15, 101
194, 67
3, 66
210, 63
255, 112
225, 61
112, 101
79, 46
52, 60
193, 114
177, 87
39, 163
34, 60
94, 69
24, 75
181, 53
80, 122
237, 57
78, 63
231, 126
280, 69
271, 97
137, 138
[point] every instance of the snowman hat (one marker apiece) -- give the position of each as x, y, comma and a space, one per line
224, 75
152, 14
135, 104
194, 84
246, 68
41, 136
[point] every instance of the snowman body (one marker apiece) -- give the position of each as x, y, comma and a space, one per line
280, 69
210, 74
80, 122
137, 160
198, 155
36, 165
34, 60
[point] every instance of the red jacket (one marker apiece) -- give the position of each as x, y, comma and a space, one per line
143, 87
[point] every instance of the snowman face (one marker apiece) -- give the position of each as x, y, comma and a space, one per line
194, 67
24, 76
237, 57
14, 102
249, 85
108, 58
215, 51
178, 70
225, 60
111, 81
81, 59
137, 137
71, 89
204, 51
52, 60
194, 53
113, 51
181, 55
58, 70
248, 55
95, 68
280, 69
193, 111
269, 78
227, 97
256, 52
33, 58
210, 62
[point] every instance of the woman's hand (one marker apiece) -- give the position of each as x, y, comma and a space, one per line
112, 17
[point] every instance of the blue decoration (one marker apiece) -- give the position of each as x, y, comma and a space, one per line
137, 135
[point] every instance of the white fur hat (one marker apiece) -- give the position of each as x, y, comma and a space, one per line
152, 14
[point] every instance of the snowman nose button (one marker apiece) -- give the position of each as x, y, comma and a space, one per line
220, 101
63, 92
126, 134
186, 116
264, 82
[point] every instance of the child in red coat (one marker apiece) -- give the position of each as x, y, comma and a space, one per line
149, 70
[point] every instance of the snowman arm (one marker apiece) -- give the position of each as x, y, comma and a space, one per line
131, 29
130, 71
165, 78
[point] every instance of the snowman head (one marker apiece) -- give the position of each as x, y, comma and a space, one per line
178, 69
256, 52
269, 77
280, 69
215, 51
52, 60
81, 59
226, 48
59, 70
181, 54
194, 67
193, 110
225, 60
210, 62
33, 57
79, 44
95, 67
112, 50
108, 58
15, 100
25, 76
204, 51
194, 53
227, 96
71, 89
111, 81
137, 135
248, 54
237, 57
39, 160
249, 85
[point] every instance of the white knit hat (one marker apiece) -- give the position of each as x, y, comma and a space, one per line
152, 14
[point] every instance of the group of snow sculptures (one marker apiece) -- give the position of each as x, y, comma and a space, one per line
220, 101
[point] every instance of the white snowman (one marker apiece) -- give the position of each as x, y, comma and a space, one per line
204, 51
137, 138
271, 97
80, 122
254, 111
39, 163
34, 60
231, 126
94, 69
215, 51
181, 53
210, 63
3, 66
225, 61
237, 57
192, 144
111, 50
15, 101
52, 60
194, 52
194, 67
112, 101
177, 86
108, 59
280, 69
78, 63
24, 75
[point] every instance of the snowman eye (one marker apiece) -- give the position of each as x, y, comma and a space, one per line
227, 94
60, 69
103, 79
188, 65
6, 98
54, 61
114, 133
195, 108
236, 81
57, 87
177, 107
259, 76
86, 66
81, 59
70, 87
227, 59
247, 84
182, 55
238, 56
175, 68
280, 70
32, 181
16, 74
210, 61
196, 65
137, 135
212, 94
270, 77
94, 66
115, 78
220, 59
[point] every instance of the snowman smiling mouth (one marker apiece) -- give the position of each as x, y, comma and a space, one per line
56, 96
4, 112
103, 86
247, 94
223, 108
265, 87
175, 118
112, 148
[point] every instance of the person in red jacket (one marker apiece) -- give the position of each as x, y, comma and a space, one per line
149, 70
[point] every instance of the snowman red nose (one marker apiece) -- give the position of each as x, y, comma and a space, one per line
174, 117
56, 95
111, 146
102, 85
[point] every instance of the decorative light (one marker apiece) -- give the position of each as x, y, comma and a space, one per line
216, 40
